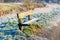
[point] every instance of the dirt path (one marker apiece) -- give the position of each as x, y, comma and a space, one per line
55, 35
51, 34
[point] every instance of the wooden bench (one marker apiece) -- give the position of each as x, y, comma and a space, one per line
28, 23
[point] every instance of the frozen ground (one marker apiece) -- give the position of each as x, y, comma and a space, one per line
9, 29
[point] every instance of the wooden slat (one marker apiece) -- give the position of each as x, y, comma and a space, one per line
31, 21
23, 14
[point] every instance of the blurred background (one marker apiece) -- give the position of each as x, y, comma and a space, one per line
37, 1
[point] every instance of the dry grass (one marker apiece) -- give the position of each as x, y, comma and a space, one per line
8, 9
